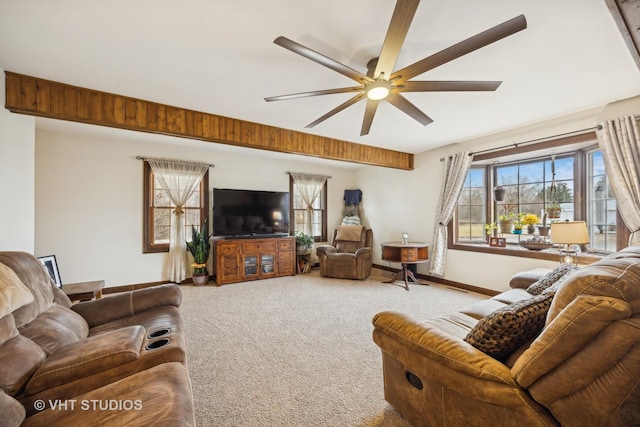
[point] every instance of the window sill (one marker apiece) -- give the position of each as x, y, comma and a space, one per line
552, 254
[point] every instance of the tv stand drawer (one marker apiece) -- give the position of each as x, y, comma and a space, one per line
258, 246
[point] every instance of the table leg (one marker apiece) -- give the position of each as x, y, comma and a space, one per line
405, 274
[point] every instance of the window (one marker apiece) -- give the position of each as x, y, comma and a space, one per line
471, 209
158, 209
602, 205
299, 212
571, 175
532, 186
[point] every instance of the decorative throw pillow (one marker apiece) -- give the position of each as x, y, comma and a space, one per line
549, 279
351, 220
502, 332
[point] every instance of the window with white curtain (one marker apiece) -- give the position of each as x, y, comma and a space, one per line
299, 212
158, 209
582, 190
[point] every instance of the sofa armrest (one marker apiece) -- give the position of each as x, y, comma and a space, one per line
108, 309
325, 250
400, 335
363, 252
87, 357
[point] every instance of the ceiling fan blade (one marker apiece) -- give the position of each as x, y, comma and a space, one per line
314, 93
466, 46
336, 110
369, 113
403, 14
322, 60
403, 104
447, 86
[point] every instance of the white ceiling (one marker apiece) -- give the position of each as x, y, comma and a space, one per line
219, 57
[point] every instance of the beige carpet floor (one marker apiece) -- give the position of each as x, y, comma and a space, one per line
297, 351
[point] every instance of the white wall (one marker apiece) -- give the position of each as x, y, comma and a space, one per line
89, 198
17, 188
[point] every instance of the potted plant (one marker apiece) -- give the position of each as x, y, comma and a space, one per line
543, 230
553, 211
199, 247
530, 220
304, 242
506, 219
491, 228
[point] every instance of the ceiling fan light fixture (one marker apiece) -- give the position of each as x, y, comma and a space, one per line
378, 90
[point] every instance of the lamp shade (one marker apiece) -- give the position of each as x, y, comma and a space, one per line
569, 232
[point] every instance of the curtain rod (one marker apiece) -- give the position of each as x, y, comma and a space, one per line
211, 165
517, 144
289, 173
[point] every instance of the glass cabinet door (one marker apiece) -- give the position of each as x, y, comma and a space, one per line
267, 264
250, 265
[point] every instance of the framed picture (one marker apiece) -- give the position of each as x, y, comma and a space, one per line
51, 265
500, 242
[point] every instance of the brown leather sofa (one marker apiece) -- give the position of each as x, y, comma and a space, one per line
118, 360
349, 255
582, 368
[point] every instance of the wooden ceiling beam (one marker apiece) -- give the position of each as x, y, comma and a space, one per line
44, 98
626, 14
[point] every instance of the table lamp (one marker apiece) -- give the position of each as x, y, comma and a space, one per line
568, 233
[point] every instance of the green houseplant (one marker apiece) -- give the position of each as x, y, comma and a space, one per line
199, 247
303, 241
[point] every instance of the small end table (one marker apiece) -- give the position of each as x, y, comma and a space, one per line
84, 291
405, 253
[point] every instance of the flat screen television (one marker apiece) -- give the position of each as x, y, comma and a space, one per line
247, 213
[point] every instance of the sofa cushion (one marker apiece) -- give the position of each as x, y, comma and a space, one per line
503, 331
19, 359
34, 276
55, 328
159, 396
550, 279
12, 411
87, 357
13, 293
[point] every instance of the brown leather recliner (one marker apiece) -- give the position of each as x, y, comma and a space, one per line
583, 369
349, 255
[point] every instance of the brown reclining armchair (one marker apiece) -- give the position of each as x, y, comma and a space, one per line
349, 255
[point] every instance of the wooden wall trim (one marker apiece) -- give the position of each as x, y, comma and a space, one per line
44, 98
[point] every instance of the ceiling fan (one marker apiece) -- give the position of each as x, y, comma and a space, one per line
382, 83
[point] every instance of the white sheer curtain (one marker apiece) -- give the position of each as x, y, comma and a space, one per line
455, 172
619, 140
310, 187
179, 179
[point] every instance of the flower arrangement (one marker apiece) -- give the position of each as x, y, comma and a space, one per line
490, 228
199, 247
530, 219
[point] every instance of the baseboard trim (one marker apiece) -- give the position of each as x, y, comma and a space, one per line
442, 281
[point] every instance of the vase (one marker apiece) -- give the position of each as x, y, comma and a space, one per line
200, 279
531, 229
517, 231
505, 226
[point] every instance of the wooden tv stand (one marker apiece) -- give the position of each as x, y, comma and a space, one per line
239, 260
